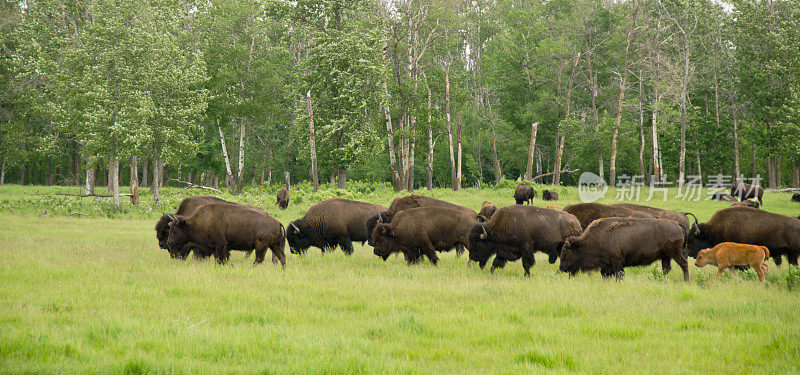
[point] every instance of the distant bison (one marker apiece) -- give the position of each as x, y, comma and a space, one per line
422, 231
548, 195
729, 254
611, 244
796, 197
747, 203
779, 233
723, 197
487, 210
330, 223
218, 227
412, 201
589, 212
186, 208
746, 191
282, 198
516, 232
524, 193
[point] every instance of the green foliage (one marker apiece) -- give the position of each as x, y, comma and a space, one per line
793, 277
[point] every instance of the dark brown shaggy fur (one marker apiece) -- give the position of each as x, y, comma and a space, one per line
524, 193
330, 223
746, 191
282, 198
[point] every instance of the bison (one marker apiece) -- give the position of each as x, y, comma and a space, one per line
186, 208
723, 197
796, 197
217, 228
487, 210
730, 254
779, 233
330, 223
548, 195
516, 232
422, 231
282, 198
747, 203
611, 244
589, 212
744, 191
524, 193
411, 201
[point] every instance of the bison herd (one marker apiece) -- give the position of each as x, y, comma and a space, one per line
583, 236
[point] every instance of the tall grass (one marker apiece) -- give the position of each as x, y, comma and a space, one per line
93, 294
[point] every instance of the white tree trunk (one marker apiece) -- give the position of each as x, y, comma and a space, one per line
240, 171
312, 143
559, 154
387, 114
90, 180
158, 169
449, 127
228, 172
113, 179
531, 148
458, 170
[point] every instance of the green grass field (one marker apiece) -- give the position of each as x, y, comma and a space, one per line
94, 293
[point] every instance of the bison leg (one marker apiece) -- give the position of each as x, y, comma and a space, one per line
759, 267
346, 245
666, 265
277, 252
430, 252
792, 257
459, 250
222, 253
261, 251
497, 263
528, 260
683, 263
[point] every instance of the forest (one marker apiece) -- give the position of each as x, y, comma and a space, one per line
419, 94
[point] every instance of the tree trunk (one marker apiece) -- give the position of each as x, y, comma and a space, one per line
736, 171
134, 179
753, 149
531, 148
539, 163
778, 174
684, 88
90, 180
623, 82
113, 179
770, 173
387, 113
287, 181
158, 169
557, 174
145, 173
795, 175
431, 143
641, 127
449, 127
699, 170
228, 172
3, 172
458, 170
498, 172
240, 170
342, 181
312, 143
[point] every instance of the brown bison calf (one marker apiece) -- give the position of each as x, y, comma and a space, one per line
422, 231
524, 193
282, 198
611, 244
729, 254
217, 228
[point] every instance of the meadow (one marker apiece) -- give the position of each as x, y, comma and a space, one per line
91, 292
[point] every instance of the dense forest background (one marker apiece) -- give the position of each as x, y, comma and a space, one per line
416, 93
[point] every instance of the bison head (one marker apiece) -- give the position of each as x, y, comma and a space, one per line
374, 221
297, 237
177, 239
381, 241
162, 231
698, 239
569, 256
480, 244
704, 257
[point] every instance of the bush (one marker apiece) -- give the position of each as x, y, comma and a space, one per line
793, 278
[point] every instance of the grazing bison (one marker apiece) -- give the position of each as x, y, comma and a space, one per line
589, 212
282, 198
516, 232
186, 208
330, 223
524, 193
746, 191
217, 228
796, 197
611, 244
422, 231
723, 197
487, 210
779, 233
548, 195
747, 203
729, 254
411, 201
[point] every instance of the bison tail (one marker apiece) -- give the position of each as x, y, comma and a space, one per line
766, 252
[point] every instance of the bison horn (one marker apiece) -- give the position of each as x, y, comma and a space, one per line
380, 218
294, 228
483, 234
172, 217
